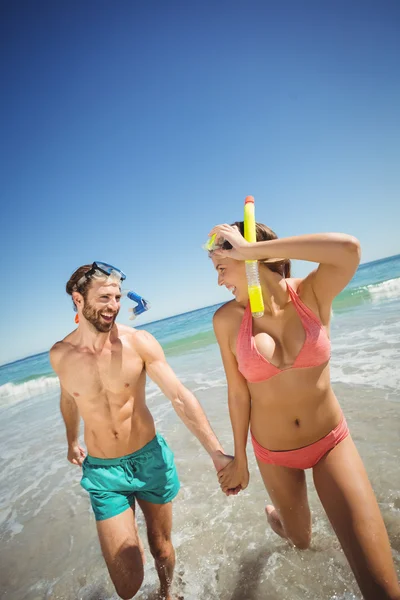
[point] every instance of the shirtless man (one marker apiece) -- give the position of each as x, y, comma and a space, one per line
102, 369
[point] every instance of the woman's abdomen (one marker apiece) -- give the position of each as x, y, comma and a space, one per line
293, 409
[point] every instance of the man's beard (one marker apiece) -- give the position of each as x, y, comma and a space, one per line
94, 317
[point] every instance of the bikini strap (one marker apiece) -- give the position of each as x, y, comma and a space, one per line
301, 307
246, 327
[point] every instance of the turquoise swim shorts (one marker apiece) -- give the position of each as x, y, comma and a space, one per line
148, 474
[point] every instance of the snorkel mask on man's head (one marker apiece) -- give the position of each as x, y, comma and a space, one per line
99, 270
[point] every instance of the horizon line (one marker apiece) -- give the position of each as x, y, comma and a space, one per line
17, 360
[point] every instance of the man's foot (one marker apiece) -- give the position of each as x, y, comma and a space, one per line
274, 521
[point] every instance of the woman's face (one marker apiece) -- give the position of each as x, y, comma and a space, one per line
232, 274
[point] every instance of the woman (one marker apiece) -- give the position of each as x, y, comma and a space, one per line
277, 370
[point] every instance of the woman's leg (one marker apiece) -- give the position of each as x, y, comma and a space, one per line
349, 501
290, 514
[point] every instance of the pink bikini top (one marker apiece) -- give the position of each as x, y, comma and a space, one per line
314, 352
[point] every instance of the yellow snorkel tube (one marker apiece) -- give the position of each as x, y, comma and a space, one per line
253, 279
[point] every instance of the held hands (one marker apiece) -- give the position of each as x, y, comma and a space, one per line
232, 474
240, 247
76, 454
235, 476
220, 461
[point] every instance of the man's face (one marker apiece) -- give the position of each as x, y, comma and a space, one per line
102, 304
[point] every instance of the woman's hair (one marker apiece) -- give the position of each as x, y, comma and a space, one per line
72, 283
264, 233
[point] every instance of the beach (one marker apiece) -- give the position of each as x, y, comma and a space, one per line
224, 548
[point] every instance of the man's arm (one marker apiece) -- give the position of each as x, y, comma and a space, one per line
69, 411
184, 402
70, 414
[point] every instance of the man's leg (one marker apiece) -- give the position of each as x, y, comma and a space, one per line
123, 552
159, 525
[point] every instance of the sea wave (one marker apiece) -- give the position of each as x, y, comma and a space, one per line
188, 343
11, 393
375, 292
389, 289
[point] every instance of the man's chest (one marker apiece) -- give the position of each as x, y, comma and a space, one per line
116, 373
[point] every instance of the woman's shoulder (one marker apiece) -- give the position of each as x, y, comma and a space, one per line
226, 322
227, 311
228, 316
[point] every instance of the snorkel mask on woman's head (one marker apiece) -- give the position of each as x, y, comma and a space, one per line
212, 244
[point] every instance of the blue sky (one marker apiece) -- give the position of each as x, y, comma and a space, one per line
128, 129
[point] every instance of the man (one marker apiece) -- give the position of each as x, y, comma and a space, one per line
102, 369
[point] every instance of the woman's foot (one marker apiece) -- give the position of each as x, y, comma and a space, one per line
169, 596
302, 540
274, 521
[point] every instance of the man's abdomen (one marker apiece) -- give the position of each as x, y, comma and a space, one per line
111, 434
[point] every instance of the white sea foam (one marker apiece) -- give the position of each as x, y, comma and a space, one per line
12, 526
152, 390
11, 393
387, 290
344, 597
368, 355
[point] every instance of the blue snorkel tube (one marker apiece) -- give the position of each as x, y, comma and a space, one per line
141, 304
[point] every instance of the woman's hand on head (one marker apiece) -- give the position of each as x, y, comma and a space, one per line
232, 235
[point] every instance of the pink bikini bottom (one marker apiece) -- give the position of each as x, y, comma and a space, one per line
306, 457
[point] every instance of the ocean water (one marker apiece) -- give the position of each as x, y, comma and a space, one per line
225, 551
